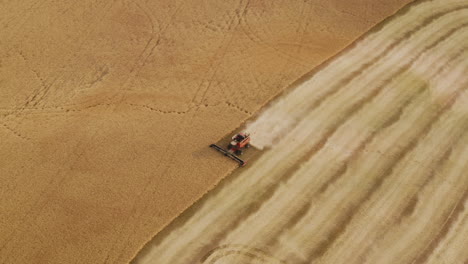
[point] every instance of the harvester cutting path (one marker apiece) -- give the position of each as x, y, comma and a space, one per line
236, 147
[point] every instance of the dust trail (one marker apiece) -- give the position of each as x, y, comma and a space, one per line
286, 112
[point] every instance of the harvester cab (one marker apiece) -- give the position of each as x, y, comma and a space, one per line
239, 142
236, 147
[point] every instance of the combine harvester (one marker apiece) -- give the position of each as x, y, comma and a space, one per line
235, 148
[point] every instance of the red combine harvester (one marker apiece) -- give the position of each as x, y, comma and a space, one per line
235, 148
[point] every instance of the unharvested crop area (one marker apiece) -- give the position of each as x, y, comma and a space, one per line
364, 162
107, 108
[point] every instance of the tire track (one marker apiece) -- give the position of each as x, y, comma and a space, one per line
39, 94
14, 132
427, 22
221, 252
201, 92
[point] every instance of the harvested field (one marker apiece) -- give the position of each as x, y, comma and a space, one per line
107, 109
364, 162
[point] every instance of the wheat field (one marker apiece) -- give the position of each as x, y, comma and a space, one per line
364, 162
